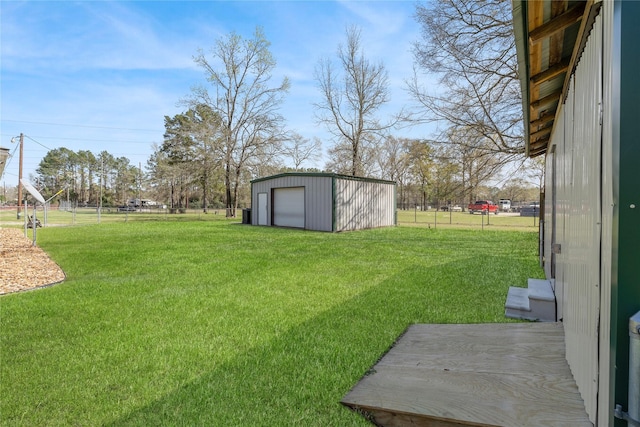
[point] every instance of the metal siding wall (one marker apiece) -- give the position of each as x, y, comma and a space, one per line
604, 380
318, 214
318, 203
363, 204
256, 188
580, 210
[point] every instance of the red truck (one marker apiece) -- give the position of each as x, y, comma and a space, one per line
483, 206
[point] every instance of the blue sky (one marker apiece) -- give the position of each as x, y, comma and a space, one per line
98, 75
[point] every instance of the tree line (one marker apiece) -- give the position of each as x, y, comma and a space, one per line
231, 130
182, 173
88, 178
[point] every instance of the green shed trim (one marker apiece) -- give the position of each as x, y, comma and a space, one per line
325, 175
625, 268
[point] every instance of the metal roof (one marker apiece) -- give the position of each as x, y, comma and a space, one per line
550, 37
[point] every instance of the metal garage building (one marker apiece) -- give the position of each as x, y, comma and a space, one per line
323, 202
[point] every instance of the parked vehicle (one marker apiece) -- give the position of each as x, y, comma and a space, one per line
484, 207
505, 205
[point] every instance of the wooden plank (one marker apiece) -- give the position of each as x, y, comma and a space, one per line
486, 374
559, 23
398, 419
543, 102
550, 73
543, 120
535, 136
493, 399
556, 40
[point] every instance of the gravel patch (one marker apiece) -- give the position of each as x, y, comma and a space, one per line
24, 266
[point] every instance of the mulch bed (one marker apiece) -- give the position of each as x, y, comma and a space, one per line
24, 266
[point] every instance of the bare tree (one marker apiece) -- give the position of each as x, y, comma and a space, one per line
351, 99
239, 71
470, 46
300, 149
340, 159
535, 171
421, 167
392, 158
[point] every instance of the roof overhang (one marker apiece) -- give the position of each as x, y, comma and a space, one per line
550, 36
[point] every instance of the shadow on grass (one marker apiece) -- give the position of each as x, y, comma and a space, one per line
300, 377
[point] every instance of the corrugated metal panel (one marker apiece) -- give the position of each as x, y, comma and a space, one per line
348, 202
604, 380
318, 198
319, 203
579, 219
363, 204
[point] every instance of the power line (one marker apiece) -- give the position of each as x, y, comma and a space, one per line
40, 144
94, 140
78, 126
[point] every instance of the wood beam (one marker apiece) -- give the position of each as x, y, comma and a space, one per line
538, 148
550, 73
535, 154
557, 24
542, 120
541, 143
541, 133
546, 100
556, 41
535, 18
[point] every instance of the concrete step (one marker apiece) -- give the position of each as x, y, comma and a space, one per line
542, 300
540, 289
536, 302
517, 305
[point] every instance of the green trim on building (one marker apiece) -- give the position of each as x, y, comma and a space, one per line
326, 175
625, 280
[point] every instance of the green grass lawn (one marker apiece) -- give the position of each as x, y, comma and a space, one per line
217, 323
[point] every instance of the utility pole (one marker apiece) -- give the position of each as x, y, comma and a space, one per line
140, 184
20, 173
101, 183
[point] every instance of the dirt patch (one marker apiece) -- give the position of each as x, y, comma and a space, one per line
23, 266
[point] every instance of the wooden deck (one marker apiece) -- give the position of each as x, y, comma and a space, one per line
511, 375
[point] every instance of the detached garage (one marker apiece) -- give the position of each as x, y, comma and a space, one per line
323, 202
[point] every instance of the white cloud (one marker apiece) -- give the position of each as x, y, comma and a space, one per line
127, 64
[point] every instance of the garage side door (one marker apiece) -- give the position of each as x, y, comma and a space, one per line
288, 207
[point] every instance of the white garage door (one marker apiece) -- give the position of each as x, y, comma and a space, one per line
288, 207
